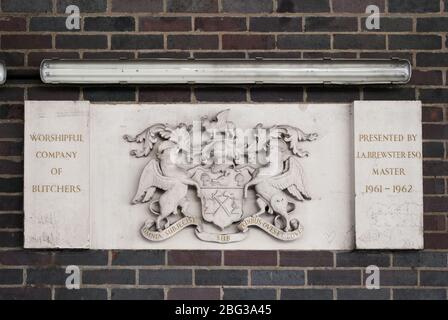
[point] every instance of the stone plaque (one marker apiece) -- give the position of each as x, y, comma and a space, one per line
388, 175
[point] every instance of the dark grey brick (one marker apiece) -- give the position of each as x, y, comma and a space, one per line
81, 258
32, 6
419, 294
249, 294
118, 276
138, 257
433, 149
48, 24
363, 294
221, 277
433, 24
25, 293
81, 41
217, 94
109, 93
55, 276
11, 239
306, 294
362, 259
389, 93
306, 258
192, 293
278, 277
11, 220
166, 277
303, 6
192, 5
247, 6
186, 41
137, 6
109, 24
25, 257
439, 95
11, 167
276, 94
10, 184
396, 277
11, 276
332, 94
135, 42
81, 294
414, 6
137, 294
13, 59
359, 41
303, 41
334, 277
85, 6
333, 24
415, 41
434, 278
390, 25
275, 24
432, 59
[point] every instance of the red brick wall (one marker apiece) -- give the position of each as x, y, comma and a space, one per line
31, 30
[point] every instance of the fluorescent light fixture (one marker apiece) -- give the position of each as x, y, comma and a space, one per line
226, 71
2, 72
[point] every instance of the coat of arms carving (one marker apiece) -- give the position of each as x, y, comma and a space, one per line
224, 168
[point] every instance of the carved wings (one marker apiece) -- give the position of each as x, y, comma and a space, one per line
150, 180
292, 180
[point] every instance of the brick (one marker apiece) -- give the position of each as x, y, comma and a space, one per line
33, 6
435, 168
53, 93
11, 184
433, 186
165, 24
194, 258
81, 258
164, 94
137, 6
26, 41
363, 294
164, 55
10, 166
221, 277
166, 277
276, 94
138, 257
11, 276
333, 24
250, 258
306, 294
306, 258
303, 6
203, 55
12, 24
434, 222
85, 6
356, 6
433, 150
81, 294
396, 277
247, 6
11, 203
8, 148
362, 259
432, 114
275, 54
192, 42
275, 24
13, 220
108, 55
434, 95
247, 42
109, 93
419, 294
136, 42
332, 94
435, 131
192, 6
435, 204
334, 277
109, 24
35, 58
315, 42
13, 59
49, 24
359, 41
81, 41
434, 278
11, 130
120, 276
387, 55
137, 294
390, 25
218, 94
278, 277
423, 77
416, 41
25, 258
249, 294
220, 24
194, 294
42, 276
420, 259
414, 6
436, 241
432, 59
389, 93
25, 293
433, 24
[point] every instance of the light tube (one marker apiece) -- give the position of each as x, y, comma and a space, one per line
2, 72
226, 71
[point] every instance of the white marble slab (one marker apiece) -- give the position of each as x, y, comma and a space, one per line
56, 187
388, 175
